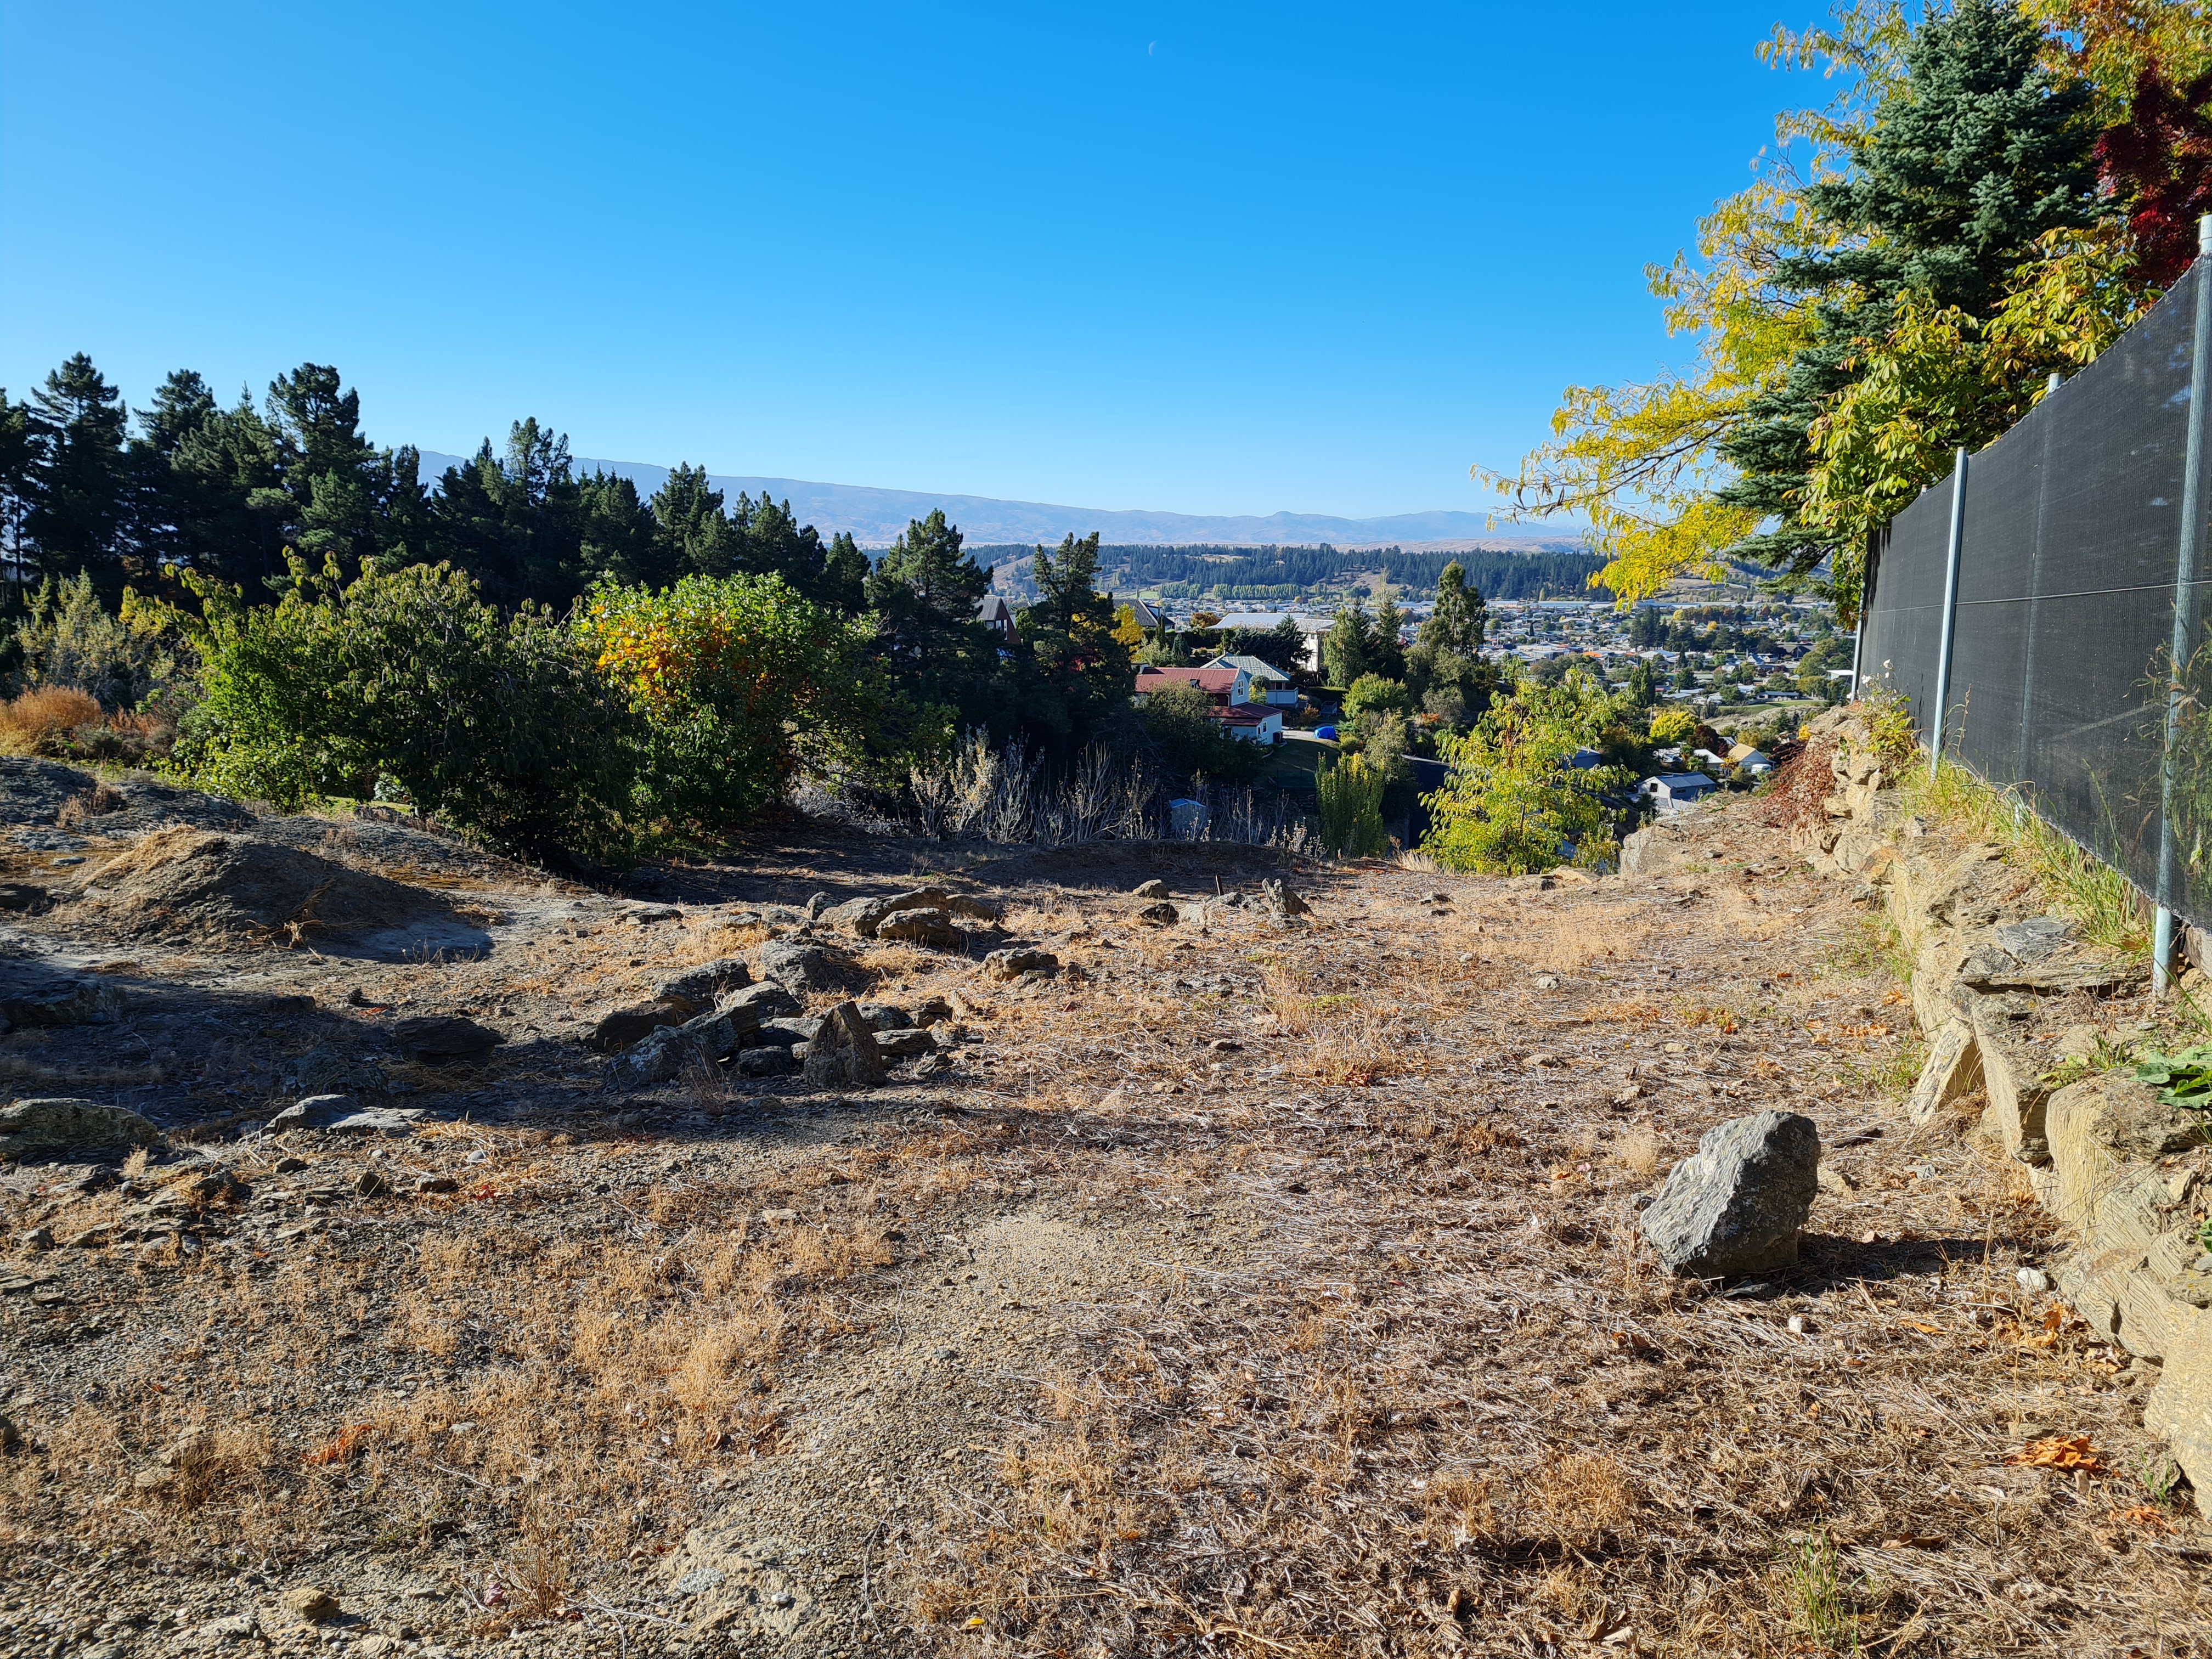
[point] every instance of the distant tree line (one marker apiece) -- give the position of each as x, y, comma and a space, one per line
225, 493
1281, 572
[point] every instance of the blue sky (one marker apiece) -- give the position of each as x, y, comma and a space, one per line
1202, 259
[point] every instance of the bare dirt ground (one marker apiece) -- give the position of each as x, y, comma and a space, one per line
1254, 1286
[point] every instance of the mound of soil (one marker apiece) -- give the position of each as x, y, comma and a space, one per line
36, 793
234, 889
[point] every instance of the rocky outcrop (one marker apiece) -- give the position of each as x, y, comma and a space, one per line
2127, 1175
866, 917
32, 994
695, 990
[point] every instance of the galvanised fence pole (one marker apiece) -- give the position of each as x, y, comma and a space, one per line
1950, 608
2185, 601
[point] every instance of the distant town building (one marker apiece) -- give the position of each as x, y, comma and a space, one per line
994, 613
1679, 788
1267, 683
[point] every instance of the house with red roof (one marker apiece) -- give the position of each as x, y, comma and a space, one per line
1231, 698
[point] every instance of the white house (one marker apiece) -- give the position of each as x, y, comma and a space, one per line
1672, 789
1262, 681
1251, 722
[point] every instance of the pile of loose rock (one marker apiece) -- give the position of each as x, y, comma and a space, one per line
719, 1014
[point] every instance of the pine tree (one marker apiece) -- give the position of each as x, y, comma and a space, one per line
1460, 620
223, 507
1386, 652
1446, 672
1347, 649
844, 574
696, 537
79, 494
617, 538
1073, 672
924, 593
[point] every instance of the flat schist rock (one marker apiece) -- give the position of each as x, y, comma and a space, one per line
1655, 850
800, 964
29, 1127
35, 993
342, 1114
742, 1582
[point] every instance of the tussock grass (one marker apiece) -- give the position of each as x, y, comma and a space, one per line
2111, 911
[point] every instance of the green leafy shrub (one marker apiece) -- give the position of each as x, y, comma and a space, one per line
734, 683
1513, 804
1372, 695
1190, 742
1351, 793
2182, 1079
501, 727
69, 639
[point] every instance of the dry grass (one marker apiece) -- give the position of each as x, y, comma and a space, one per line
1410, 1387
1638, 1150
44, 720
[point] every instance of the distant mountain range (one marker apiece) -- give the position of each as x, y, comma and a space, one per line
875, 517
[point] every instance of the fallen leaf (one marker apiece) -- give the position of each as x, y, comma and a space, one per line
343, 1448
2147, 1516
2059, 1452
1916, 1325
1914, 1540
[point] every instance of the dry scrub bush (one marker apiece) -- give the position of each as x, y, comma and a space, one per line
1637, 1149
94, 802
44, 720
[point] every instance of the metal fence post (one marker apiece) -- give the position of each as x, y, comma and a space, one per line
2184, 600
1865, 592
1950, 608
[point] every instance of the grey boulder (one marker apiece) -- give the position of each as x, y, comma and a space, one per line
763, 1002
625, 1028
1735, 1205
696, 989
928, 926
844, 1054
800, 965
1012, 963
713, 1037
765, 1061
33, 994
865, 916
30, 1126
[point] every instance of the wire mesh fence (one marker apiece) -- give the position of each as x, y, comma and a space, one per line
2078, 593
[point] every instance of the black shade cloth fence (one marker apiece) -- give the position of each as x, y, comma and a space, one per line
2061, 681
